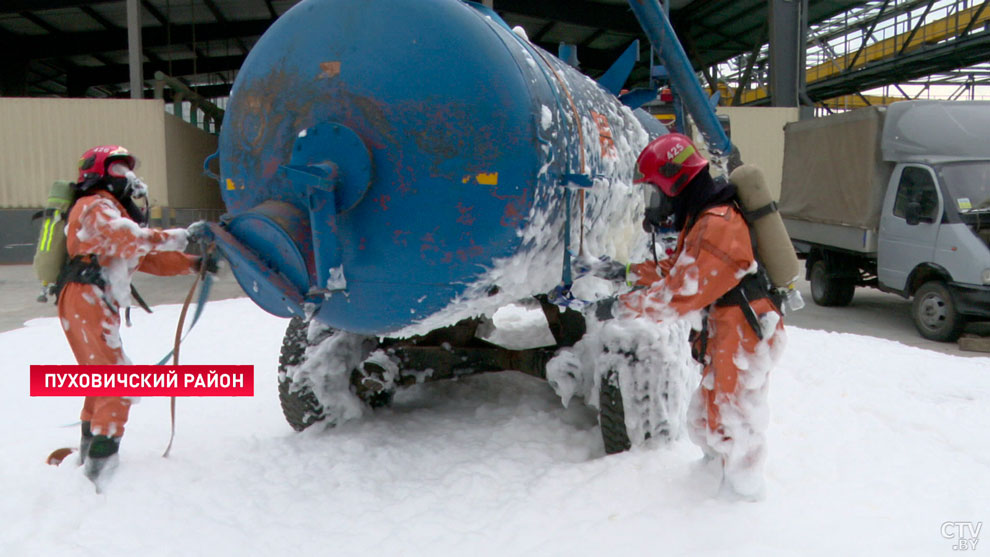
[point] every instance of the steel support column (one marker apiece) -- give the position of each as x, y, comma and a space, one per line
135, 59
788, 37
750, 62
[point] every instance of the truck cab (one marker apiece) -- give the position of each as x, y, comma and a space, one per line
933, 242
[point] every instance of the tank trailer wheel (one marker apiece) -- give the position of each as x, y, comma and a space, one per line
635, 401
827, 290
370, 385
612, 415
935, 315
299, 405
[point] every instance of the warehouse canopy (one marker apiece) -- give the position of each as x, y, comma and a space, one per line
80, 47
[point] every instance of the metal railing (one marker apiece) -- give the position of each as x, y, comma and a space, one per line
181, 95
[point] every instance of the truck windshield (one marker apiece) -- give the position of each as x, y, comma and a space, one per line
968, 185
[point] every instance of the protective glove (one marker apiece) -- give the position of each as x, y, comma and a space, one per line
198, 230
605, 308
603, 267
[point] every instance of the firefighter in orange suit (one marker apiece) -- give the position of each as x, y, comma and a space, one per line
107, 241
713, 271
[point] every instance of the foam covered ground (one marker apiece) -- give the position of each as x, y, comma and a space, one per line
873, 446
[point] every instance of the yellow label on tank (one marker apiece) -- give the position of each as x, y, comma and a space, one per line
230, 185
488, 178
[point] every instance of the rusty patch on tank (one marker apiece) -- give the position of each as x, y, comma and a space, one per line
373, 115
329, 70
446, 131
269, 119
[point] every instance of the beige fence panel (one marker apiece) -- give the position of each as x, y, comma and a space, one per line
41, 141
759, 134
186, 147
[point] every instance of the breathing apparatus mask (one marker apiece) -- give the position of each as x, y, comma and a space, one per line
123, 181
659, 209
129, 190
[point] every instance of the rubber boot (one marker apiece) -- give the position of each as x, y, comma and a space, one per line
85, 441
101, 459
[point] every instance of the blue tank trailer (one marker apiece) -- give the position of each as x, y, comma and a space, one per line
395, 171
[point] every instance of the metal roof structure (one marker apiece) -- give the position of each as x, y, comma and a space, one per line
79, 47
898, 48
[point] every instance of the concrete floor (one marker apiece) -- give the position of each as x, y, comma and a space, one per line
877, 314
871, 313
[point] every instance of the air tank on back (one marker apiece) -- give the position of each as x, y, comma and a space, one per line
393, 166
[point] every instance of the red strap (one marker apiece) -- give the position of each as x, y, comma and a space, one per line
178, 341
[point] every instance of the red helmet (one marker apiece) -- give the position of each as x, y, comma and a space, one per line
96, 162
669, 162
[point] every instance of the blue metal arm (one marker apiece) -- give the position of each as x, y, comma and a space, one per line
661, 34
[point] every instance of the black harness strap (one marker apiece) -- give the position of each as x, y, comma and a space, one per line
753, 216
140, 301
699, 342
137, 298
81, 269
86, 269
738, 297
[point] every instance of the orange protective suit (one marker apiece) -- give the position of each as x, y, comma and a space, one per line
728, 415
90, 316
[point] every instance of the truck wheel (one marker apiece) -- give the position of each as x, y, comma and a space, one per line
827, 290
935, 314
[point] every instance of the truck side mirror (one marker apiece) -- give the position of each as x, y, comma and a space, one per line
912, 213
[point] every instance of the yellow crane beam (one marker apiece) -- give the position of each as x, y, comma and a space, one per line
841, 103
856, 101
931, 33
